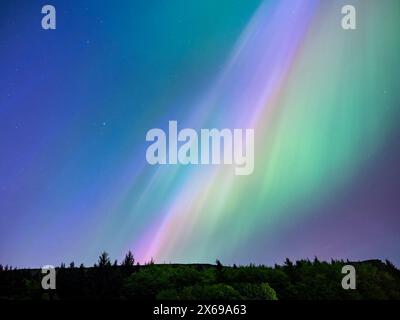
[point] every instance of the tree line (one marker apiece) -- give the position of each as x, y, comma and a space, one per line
302, 279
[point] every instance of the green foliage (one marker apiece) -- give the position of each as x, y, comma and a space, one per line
168, 294
303, 279
256, 291
149, 280
218, 291
145, 283
32, 288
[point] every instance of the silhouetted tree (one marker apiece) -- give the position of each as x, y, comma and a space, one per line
390, 264
288, 263
129, 260
219, 265
104, 260
72, 265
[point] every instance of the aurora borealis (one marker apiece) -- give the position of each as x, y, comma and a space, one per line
76, 103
